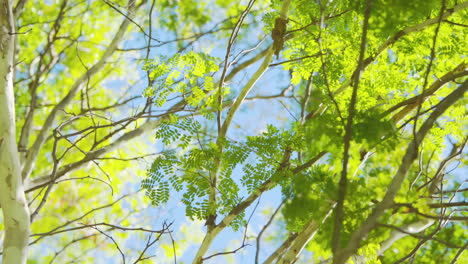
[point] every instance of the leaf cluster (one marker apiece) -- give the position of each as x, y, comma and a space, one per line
189, 75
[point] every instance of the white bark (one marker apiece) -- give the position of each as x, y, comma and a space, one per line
308, 232
412, 228
12, 199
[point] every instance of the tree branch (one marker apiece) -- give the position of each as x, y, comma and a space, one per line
281, 249
388, 43
259, 236
33, 152
307, 233
342, 185
409, 157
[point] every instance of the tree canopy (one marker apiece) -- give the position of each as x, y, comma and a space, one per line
282, 131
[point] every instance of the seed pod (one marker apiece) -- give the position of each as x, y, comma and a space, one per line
278, 35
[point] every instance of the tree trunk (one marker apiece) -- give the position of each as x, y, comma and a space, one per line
12, 198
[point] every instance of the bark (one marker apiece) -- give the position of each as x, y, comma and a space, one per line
303, 238
412, 228
280, 251
12, 198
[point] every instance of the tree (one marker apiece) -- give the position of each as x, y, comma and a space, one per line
365, 143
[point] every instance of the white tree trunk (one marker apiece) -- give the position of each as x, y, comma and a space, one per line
12, 198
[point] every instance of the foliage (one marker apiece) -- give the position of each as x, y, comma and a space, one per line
390, 75
182, 74
178, 69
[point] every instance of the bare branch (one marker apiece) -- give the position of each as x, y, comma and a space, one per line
70, 243
76, 87
113, 241
57, 229
150, 243
264, 228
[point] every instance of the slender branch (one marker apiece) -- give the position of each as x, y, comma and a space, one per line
150, 243
226, 252
41, 69
455, 23
56, 230
113, 241
83, 226
412, 230
436, 205
231, 41
317, 22
323, 61
441, 224
54, 171
436, 217
70, 243
342, 186
318, 54
408, 229
264, 228
453, 191
247, 63
131, 15
459, 71
429, 67
75, 88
